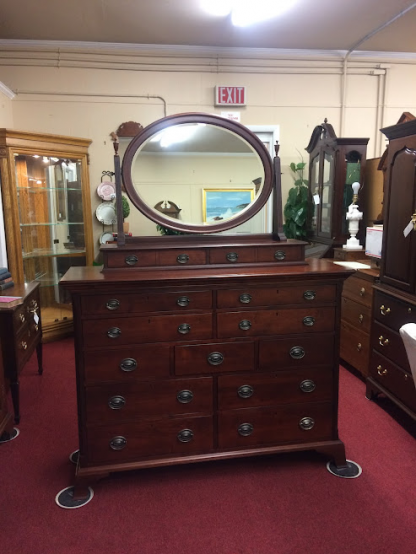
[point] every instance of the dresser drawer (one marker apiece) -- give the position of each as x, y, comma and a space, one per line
231, 255
279, 425
126, 364
120, 443
132, 330
392, 312
356, 314
192, 256
355, 347
108, 404
280, 253
27, 313
153, 302
133, 258
301, 351
358, 289
392, 377
269, 389
274, 322
25, 343
214, 358
390, 344
297, 294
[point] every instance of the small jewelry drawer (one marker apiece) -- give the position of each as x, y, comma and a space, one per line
214, 358
268, 389
394, 378
126, 364
180, 258
107, 404
232, 255
305, 351
153, 302
358, 289
280, 253
253, 297
392, 312
24, 344
149, 438
131, 259
135, 330
275, 425
274, 322
356, 314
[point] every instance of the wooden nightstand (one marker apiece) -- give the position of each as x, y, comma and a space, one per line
21, 335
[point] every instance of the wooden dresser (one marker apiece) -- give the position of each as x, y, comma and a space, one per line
356, 316
6, 424
186, 365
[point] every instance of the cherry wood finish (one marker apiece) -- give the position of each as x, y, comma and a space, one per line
20, 335
153, 395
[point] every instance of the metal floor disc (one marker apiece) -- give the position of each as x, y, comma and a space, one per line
65, 499
352, 471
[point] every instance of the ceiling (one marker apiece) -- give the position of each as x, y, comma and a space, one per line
312, 25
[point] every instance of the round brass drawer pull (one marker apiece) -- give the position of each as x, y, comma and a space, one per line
245, 429
384, 310
381, 371
309, 321
23, 344
112, 304
114, 332
36, 327
362, 291
245, 325
309, 295
245, 391
306, 423
280, 255
128, 364
118, 443
360, 318
232, 256
183, 301
359, 347
215, 358
297, 352
184, 328
186, 435
22, 318
182, 259
307, 385
117, 402
185, 396
382, 341
245, 298
131, 260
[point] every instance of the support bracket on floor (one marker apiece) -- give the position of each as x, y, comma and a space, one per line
351, 471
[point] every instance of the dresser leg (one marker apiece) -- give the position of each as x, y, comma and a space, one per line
39, 355
14, 391
336, 451
370, 393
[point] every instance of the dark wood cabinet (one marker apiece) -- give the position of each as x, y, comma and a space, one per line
395, 297
334, 164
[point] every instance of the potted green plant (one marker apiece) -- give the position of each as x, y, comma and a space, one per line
126, 212
297, 205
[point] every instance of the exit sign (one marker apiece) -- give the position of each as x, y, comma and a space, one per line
230, 96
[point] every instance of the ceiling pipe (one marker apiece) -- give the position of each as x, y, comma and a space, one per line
348, 54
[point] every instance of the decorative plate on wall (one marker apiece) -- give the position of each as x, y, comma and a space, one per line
106, 237
106, 213
106, 190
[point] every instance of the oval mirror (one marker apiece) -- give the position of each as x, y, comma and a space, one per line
197, 173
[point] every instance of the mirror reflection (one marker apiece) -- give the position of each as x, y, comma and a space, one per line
197, 173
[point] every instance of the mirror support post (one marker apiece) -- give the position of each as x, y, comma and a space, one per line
121, 239
278, 233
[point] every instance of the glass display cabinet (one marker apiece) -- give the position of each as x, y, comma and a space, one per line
47, 216
334, 164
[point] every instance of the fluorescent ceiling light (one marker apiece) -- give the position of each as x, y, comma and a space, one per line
247, 12
172, 135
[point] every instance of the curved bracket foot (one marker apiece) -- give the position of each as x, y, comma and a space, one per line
65, 498
351, 471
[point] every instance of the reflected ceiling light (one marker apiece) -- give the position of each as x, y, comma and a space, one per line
217, 7
247, 12
172, 135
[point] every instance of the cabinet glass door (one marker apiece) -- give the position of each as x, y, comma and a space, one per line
327, 192
314, 188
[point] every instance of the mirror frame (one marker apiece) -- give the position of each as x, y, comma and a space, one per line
196, 117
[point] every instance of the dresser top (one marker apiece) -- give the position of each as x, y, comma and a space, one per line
21, 292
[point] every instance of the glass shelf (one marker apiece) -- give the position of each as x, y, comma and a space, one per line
45, 252
38, 188
37, 224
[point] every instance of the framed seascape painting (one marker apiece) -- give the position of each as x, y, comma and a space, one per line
221, 204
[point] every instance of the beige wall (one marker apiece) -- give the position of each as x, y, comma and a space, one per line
6, 111
86, 101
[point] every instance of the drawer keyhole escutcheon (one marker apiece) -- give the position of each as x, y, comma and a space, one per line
117, 402
297, 352
128, 364
280, 255
307, 423
307, 386
131, 260
215, 358
245, 391
381, 371
114, 332
384, 310
186, 435
362, 291
245, 429
118, 443
183, 301
309, 321
182, 259
245, 325
245, 298
184, 328
382, 341
232, 256
309, 295
113, 304
185, 396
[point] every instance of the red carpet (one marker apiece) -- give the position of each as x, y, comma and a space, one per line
286, 504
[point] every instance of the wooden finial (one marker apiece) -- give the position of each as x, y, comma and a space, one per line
276, 148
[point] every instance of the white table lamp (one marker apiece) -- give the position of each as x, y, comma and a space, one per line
353, 216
